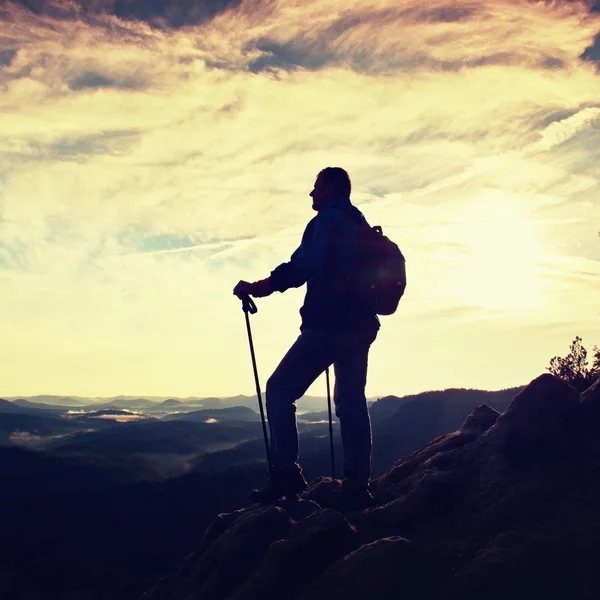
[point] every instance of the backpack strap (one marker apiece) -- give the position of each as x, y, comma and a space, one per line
353, 214
359, 218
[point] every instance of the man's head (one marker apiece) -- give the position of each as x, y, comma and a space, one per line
331, 182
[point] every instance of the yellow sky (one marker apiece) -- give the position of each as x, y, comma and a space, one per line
144, 170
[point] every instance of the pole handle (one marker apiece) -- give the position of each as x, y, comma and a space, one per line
248, 305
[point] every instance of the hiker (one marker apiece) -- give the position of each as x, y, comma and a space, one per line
335, 329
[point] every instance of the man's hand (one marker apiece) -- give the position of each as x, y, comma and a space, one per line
243, 288
258, 289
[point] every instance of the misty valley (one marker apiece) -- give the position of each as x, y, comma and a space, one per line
102, 498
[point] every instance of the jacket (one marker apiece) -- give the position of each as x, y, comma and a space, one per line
326, 254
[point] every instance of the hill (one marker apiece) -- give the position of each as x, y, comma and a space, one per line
40, 406
157, 437
233, 413
11, 407
454, 401
23, 429
79, 530
63, 401
157, 404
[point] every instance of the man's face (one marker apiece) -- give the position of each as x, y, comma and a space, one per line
321, 193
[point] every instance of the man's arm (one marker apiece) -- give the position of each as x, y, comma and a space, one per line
305, 261
303, 264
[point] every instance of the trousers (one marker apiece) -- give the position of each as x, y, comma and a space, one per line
309, 356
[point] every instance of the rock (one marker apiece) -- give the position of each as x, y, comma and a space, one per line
301, 509
162, 588
539, 422
589, 419
488, 574
590, 403
217, 527
483, 522
387, 569
518, 566
324, 491
439, 454
232, 557
428, 491
291, 563
480, 420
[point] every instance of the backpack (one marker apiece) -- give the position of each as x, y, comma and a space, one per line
379, 278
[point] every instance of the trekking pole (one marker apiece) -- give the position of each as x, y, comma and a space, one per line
248, 306
330, 423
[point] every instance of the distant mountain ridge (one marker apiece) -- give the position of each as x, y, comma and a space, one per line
39, 405
24, 409
69, 401
307, 404
156, 404
231, 413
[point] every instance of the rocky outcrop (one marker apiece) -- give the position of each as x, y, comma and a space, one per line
224, 561
540, 420
386, 569
590, 404
301, 556
507, 506
480, 420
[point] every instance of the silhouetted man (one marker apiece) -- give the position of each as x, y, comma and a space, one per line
336, 329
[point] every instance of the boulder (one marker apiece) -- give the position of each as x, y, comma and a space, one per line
540, 421
438, 454
489, 572
300, 557
167, 582
230, 559
429, 491
480, 420
589, 419
387, 569
325, 491
590, 404
301, 509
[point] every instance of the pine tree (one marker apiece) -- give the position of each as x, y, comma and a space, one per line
596, 366
573, 368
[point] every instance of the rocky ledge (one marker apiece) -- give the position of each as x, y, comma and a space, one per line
508, 506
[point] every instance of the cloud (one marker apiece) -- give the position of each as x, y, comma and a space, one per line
174, 13
159, 13
361, 38
92, 79
145, 169
366, 40
592, 53
24, 438
312, 55
6, 56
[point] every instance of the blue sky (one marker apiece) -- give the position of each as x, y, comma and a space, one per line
150, 158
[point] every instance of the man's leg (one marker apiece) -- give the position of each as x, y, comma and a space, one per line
350, 368
308, 357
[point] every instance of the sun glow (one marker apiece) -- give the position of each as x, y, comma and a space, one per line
501, 254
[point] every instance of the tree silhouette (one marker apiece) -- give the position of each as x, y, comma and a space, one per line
573, 368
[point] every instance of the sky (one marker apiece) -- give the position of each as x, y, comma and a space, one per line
154, 153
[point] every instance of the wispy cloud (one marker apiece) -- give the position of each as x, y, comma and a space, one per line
150, 157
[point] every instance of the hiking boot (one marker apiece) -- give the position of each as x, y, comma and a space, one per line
288, 485
355, 499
